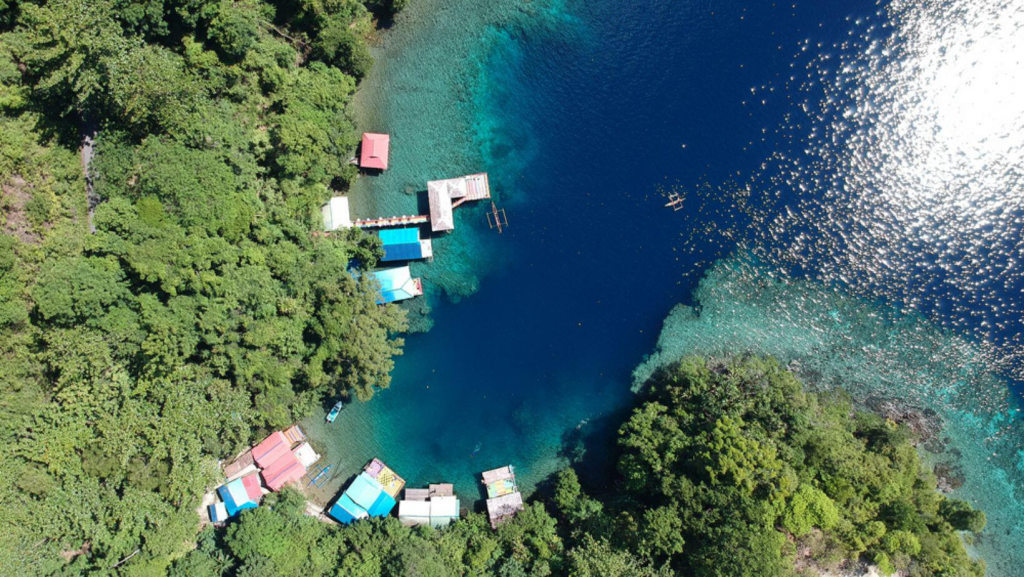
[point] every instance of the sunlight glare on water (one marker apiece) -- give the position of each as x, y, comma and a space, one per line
957, 96
908, 186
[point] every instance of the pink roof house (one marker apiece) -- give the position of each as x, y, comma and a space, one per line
271, 449
284, 470
374, 152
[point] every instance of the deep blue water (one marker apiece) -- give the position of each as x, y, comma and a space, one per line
581, 122
583, 117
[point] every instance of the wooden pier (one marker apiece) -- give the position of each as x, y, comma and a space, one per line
478, 187
391, 221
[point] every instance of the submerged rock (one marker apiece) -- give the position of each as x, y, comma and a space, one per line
925, 423
950, 476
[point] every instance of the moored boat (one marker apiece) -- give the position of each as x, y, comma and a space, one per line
334, 411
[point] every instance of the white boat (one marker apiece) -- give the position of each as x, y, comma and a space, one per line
334, 411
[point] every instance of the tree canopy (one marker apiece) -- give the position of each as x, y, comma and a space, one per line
201, 312
739, 471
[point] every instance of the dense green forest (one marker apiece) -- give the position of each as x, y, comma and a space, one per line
201, 311
724, 468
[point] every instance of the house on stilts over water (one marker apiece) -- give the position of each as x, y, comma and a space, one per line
405, 244
397, 284
373, 151
503, 497
446, 195
373, 493
436, 506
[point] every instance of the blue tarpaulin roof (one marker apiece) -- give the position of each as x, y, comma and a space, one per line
235, 497
365, 497
218, 513
238, 493
340, 515
382, 506
364, 490
346, 511
396, 284
229, 501
232, 507
409, 251
399, 236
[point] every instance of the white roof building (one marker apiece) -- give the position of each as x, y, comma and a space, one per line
306, 455
445, 195
336, 214
421, 507
412, 513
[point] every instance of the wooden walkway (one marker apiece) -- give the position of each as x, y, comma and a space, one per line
478, 187
391, 221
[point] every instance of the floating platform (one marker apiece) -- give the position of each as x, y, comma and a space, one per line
503, 497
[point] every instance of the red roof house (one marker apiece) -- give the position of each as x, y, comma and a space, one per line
271, 449
252, 487
284, 470
278, 462
374, 153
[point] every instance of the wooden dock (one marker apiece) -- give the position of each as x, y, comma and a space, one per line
391, 221
478, 187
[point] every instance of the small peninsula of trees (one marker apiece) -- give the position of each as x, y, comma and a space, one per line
738, 471
726, 469
200, 311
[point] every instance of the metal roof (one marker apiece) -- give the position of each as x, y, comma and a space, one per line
336, 214
410, 251
397, 284
364, 491
441, 216
399, 235
374, 153
270, 449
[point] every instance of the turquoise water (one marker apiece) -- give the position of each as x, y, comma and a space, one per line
829, 142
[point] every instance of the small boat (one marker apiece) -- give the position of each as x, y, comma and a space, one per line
675, 202
334, 411
314, 480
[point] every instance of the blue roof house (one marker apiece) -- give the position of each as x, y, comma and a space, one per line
364, 498
397, 284
405, 244
237, 495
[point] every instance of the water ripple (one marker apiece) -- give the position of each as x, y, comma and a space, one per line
897, 167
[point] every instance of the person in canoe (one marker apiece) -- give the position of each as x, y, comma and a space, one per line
334, 411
